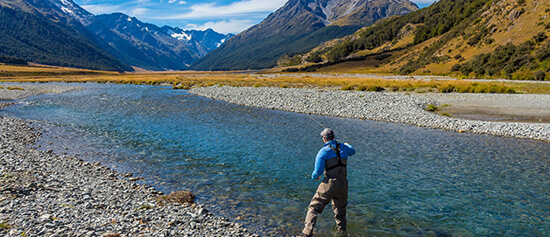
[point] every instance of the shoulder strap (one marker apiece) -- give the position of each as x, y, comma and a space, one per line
337, 151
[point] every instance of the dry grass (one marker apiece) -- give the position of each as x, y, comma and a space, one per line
186, 80
36, 71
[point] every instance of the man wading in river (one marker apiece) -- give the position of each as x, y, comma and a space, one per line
332, 158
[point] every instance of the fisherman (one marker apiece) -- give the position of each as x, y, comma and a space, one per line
332, 158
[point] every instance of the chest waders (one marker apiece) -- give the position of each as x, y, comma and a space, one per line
340, 163
334, 190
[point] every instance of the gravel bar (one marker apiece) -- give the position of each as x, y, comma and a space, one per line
387, 107
16, 91
44, 194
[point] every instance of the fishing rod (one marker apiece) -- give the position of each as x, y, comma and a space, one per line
309, 116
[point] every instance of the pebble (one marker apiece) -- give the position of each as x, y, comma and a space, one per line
387, 107
46, 194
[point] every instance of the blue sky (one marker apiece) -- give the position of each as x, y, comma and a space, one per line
224, 16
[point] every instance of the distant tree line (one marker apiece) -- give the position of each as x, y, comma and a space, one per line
12, 60
509, 59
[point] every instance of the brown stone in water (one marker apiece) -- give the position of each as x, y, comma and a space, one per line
180, 197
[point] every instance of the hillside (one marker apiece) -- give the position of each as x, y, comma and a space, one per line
470, 38
297, 27
30, 35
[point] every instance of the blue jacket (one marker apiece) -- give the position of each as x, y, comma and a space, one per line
327, 153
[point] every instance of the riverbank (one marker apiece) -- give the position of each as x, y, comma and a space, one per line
45, 194
387, 107
16, 91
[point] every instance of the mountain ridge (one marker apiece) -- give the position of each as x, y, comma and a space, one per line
261, 45
131, 46
44, 37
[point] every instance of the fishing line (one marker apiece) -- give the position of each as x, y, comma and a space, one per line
316, 121
309, 116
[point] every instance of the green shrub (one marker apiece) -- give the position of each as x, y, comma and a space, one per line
5, 225
474, 40
543, 53
489, 41
314, 58
145, 207
505, 60
431, 108
348, 88
183, 87
447, 89
541, 36
375, 88
456, 67
540, 75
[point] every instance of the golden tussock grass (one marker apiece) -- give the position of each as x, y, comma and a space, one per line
186, 80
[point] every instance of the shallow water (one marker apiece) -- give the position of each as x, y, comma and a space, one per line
254, 165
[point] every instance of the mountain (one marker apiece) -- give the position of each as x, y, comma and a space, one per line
38, 31
122, 40
201, 42
142, 44
296, 28
468, 38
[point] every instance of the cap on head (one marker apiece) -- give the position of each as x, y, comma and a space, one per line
328, 134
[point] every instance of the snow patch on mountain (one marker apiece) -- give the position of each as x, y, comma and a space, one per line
181, 36
72, 9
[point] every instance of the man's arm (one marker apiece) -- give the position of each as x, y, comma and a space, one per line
319, 165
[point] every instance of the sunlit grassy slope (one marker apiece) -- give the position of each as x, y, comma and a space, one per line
498, 23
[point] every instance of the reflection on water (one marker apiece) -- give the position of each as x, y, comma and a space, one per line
253, 165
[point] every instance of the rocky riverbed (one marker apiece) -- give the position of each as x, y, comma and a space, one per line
45, 194
387, 107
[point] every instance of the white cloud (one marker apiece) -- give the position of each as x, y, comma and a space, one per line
240, 8
138, 12
176, 1
224, 26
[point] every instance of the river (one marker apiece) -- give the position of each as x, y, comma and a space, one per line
254, 166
